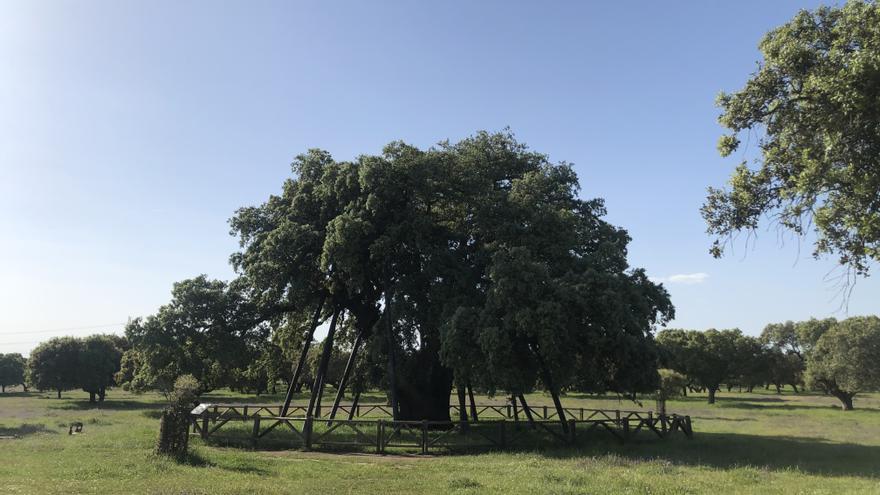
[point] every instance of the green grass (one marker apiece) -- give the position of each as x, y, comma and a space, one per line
746, 443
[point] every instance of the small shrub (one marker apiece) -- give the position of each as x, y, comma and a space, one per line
174, 422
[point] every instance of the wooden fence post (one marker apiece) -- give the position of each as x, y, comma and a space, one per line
255, 434
571, 436
378, 436
204, 424
545, 412
424, 437
307, 432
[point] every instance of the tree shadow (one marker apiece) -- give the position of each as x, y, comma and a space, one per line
792, 407
728, 451
194, 459
108, 405
24, 430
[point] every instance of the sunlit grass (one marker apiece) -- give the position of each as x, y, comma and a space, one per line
746, 443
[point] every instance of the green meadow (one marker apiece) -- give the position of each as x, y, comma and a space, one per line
746, 443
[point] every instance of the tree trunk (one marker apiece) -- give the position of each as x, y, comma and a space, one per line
424, 386
661, 407
354, 404
551, 387
59, 393
794, 386
322, 367
470, 391
101, 394
778, 389
462, 406
846, 400
527, 410
92, 397
391, 346
3, 389
712, 391
294, 385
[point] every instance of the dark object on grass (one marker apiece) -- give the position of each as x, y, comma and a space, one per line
75, 428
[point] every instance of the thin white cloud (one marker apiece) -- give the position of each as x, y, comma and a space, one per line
684, 278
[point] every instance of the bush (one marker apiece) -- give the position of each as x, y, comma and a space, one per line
174, 425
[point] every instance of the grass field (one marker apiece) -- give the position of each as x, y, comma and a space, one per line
746, 443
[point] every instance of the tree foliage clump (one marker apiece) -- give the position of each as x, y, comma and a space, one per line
209, 330
846, 359
65, 363
707, 358
12, 370
53, 365
815, 103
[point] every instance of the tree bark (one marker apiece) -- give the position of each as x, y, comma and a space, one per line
846, 399
391, 345
470, 391
322, 367
525, 407
101, 394
462, 405
59, 393
551, 387
712, 391
354, 404
294, 385
92, 397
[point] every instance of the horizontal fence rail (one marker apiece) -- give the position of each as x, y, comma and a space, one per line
488, 411
368, 430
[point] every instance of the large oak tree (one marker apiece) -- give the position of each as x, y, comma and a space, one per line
473, 261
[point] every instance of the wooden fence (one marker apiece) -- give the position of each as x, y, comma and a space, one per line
499, 427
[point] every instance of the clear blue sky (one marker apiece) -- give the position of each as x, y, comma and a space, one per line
130, 132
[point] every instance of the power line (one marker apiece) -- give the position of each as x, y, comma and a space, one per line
55, 330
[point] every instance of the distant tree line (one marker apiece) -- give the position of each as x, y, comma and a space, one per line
66, 363
839, 358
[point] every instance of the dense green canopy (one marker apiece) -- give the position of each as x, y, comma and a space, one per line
473, 261
846, 359
12, 370
814, 107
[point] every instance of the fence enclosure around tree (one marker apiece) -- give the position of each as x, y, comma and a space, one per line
368, 427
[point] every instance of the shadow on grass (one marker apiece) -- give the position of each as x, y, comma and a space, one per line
24, 430
717, 450
194, 459
728, 451
108, 405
